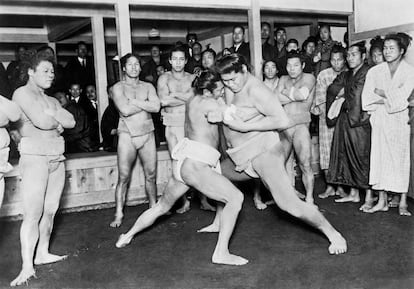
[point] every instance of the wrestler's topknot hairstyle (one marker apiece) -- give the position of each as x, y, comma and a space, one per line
377, 43
338, 48
361, 46
206, 80
180, 48
127, 56
403, 40
231, 63
295, 54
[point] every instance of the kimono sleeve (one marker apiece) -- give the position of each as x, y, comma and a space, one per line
331, 94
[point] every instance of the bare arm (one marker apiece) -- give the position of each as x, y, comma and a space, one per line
61, 115
152, 104
282, 92
9, 109
34, 111
122, 103
164, 93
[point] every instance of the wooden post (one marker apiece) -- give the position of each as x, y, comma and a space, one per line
99, 55
123, 28
255, 39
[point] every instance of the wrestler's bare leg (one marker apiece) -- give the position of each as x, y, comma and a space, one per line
173, 191
173, 134
403, 206
1, 189
352, 197
54, 191
302, 144
34, 172
271, 163
216, 187
330, 190
205, 205
369, 201
148, 156
382, 204
127, 155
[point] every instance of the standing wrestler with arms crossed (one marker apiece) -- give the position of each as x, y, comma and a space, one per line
41, 162
196, 163
135, 101
255, 148
296, 92
174, 89
9, 111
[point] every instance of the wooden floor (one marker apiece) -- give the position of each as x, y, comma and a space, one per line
283, 252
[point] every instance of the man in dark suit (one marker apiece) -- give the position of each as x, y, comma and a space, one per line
80, 69
90, 106
268, 50
239, 46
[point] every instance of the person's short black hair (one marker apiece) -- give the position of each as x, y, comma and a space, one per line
280, 29
231, 63
81, 43
180, 48
295, 54
209, 50
206, 80
194, 35
361, 46
293, 40
198, 43
338, 48
264, 23
310, 39
239, 26
127, 56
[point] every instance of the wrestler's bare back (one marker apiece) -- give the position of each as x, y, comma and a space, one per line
197, 127
139, 91
175, 85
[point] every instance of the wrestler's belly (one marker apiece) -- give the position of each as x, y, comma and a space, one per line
296, 107
140, 116
235, 138
28, 130
174, 109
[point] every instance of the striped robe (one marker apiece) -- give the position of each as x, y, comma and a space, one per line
390, 151
325, 78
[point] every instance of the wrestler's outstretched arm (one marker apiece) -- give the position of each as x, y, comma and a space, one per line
152, 104
34, 111
166, 97
121, 102
64, 117
268, 105
9, 111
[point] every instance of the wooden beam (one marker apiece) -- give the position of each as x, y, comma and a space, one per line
123, 28
60, 31
141, 40
255, 39
55, 11
23, 38
100, 65
214, 32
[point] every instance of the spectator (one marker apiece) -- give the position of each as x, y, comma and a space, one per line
15, 71
80, 69
268, 51
239, 46
308, 52
208, 58
323, 49
193, 64
280, 42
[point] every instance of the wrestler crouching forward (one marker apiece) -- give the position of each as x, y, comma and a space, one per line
41, 162
255, 147
174, 89
135, 100
196, 164
9, 111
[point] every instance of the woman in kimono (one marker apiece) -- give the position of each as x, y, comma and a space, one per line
351, 145
385, 95
323, 49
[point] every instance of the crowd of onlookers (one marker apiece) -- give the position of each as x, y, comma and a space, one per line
351, 131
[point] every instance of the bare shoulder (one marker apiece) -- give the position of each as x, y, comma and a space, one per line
189, 76
283, 79
309, 77
20, 94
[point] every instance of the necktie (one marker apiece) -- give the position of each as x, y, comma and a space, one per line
83, 63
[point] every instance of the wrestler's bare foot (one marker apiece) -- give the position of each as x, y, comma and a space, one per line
205, 205
381, 206
228, 259
330, 191
48, 258
259, 204
338, 245
340, 192
184, 208
354, 199
403, 210
123, 240
366, 206
117, 222
213, 228
23, 277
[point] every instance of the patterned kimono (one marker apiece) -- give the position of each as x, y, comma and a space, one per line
325, 78
351, 144
390, 154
